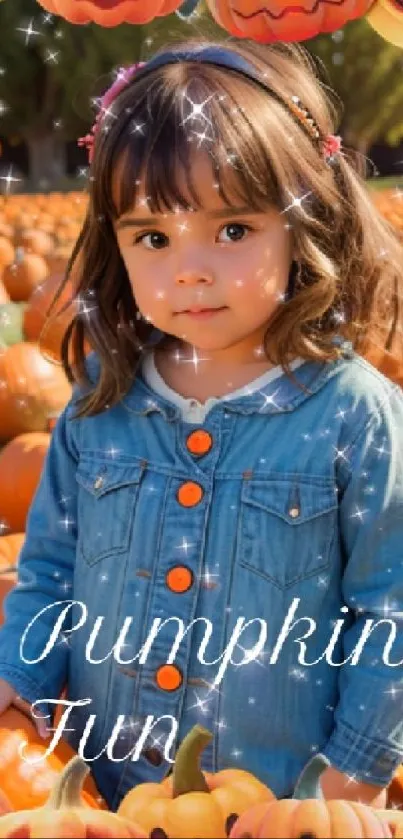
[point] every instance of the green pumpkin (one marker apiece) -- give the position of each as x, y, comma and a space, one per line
11, 323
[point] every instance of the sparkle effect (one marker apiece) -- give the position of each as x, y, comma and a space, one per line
204, 704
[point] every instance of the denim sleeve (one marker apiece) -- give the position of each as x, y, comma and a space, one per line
45, 575
367, 739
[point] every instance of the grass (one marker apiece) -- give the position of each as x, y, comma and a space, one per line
385, 183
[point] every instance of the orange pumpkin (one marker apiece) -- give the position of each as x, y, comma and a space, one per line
280, 20
311, 819
6, 230
36, 241
386, 17
190, 802
390, 365
64, 815
48, 330
222, 14
7, 252
110, 12
305, 815
8, 579
10, 547
395, 789
32, 390
21, 464
23, 275
27, 785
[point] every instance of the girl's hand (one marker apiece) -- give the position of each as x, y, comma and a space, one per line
9, 696
336, 784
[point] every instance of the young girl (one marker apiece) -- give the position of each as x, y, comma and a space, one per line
217, 535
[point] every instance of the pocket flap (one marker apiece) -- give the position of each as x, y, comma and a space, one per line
295, 501
98, 477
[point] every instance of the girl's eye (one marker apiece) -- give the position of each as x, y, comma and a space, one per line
155, 240
234, 229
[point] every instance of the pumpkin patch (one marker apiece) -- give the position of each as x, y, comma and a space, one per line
58, 797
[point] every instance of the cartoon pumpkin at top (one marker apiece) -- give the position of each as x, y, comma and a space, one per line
264, 21
110, 12
284, 20
386, 17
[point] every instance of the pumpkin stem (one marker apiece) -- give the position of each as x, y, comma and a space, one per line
308, 785
68, 786
187, 775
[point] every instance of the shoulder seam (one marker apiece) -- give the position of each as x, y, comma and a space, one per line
394, 390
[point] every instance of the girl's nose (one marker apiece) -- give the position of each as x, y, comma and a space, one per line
194, 276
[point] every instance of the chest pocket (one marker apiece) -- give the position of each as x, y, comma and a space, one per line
286, 529
106, 504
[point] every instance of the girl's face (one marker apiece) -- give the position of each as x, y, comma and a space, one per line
234, 261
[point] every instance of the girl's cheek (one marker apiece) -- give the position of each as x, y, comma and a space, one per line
269, 287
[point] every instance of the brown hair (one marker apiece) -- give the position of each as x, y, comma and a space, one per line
348, 258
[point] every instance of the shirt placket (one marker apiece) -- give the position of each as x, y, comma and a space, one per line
176, 586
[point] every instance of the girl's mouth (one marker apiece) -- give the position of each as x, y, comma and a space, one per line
202, 313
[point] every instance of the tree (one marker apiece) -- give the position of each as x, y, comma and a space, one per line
51, 70
366, 73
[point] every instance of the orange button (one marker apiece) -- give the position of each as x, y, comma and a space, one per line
189, 494
168, 677
199, 442
179, 579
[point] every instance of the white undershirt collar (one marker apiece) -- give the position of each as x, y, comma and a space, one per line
194, 411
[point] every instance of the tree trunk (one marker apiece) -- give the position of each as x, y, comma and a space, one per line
47, 161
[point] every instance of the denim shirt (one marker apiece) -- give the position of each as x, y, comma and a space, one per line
280, 518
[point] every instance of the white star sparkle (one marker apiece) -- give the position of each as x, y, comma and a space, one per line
9, 179
29, 31
296, 201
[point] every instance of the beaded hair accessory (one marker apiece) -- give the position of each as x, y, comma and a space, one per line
329, 144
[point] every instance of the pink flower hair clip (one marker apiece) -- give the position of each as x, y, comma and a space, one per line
331, 145
125, 74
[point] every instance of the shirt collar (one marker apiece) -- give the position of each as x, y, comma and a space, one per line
278, 396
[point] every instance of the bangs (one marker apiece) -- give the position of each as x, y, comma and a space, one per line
204, 118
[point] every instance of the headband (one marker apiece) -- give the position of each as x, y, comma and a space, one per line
219, 56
